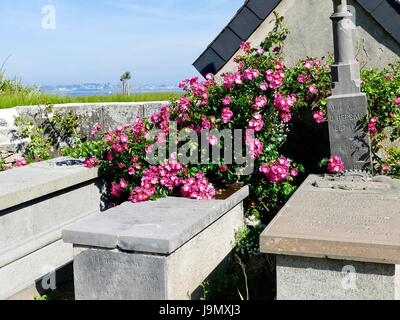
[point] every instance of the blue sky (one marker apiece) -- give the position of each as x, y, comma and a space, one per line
97, 40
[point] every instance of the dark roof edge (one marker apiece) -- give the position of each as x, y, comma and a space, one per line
227, 26
252, 9
387, 14
252, 14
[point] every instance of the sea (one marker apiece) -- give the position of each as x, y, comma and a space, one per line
98, 90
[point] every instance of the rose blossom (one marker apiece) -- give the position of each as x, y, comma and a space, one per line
309, 64
210, 76
385, 168
278, 171
257, 124
226, 101
294, 172
148, 149
90, 163
372, 125
260, 102
96, 129
227, 115
275, 79
123, 184
255, 147
21, 163
124, 138
301, 79
131, 171
245, 46
213, 140
198, 188
284, 104
285, 117
335, 165
319, 116
115, 190
312, 89
264, 86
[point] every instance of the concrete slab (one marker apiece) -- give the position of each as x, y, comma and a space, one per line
110, 274
158, 227
345, 220
40, 179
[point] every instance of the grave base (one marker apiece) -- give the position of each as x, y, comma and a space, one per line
301, 278
111, 274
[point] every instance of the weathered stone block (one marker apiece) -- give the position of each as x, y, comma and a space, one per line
119, 114
348, 137
27, 271
352, 226
36, 203
154, 250
150, 108
89, 115
300, 278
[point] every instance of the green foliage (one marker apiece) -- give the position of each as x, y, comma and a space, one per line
247, 243
13, 99
391, 165
14, 87
2, 165
276, 38
126, 76
44, 135
382, 88
84, 149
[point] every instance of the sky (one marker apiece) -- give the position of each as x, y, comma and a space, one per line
50, 42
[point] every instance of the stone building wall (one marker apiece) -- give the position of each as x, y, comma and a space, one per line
311, 33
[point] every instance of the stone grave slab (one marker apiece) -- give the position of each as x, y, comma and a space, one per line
153, 250
337, 222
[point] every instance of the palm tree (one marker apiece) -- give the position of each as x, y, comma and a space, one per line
126, 76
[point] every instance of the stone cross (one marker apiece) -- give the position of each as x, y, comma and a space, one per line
347, 106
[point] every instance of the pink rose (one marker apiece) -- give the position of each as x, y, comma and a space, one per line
226, 101
227, 115
309, 64
319, 117
264, 86
21, 163
213, 140
123, 184
301, 79
335, 165
245, 46
285, 117
312, 89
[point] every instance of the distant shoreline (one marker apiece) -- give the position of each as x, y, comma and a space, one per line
79, 92
40, 98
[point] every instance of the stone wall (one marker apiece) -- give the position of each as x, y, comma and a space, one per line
311, 33
109, 115
36, 203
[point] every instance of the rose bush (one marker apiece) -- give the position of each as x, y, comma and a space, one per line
264, 95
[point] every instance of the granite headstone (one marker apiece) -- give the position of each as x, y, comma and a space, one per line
347, 107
